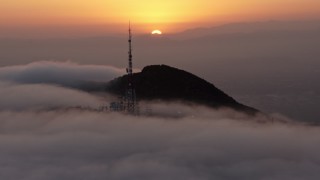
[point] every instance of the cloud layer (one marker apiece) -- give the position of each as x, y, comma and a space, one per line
21, 97
179, 142
62, 73
88, 145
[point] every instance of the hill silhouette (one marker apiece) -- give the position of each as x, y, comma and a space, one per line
162, 82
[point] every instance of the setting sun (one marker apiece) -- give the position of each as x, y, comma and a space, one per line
156, 32
74, 17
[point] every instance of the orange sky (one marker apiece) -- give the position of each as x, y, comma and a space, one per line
167, 15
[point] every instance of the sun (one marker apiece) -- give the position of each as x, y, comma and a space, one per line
156, 32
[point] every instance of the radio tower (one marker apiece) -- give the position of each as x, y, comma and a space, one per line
131, 101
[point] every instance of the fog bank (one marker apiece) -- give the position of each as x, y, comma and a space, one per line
88, 145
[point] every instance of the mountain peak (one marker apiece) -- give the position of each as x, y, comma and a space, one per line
167, 83
158, 67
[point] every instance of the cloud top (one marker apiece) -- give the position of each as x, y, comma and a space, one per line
201, 144
88, 145
23, 97
62, 73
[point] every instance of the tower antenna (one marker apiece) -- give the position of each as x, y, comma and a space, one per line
130, 51
131, 101
128, 103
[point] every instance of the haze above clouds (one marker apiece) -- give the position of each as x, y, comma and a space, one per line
272, 66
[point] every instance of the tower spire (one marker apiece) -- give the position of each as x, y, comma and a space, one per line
131, 101
128, 103
130, 51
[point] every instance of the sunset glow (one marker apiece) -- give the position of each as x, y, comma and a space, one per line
170, 16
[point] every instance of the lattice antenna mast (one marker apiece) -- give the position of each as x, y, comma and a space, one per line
130, 94
130, 52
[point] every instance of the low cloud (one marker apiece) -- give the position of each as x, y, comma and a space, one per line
21, 97
62, 73
202, 143
211, 145
178, 142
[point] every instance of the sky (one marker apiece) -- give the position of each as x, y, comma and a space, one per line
263, 53
56, 17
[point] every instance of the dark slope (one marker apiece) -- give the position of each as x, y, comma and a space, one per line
168, 83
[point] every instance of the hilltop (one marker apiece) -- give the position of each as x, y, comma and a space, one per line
162, 82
